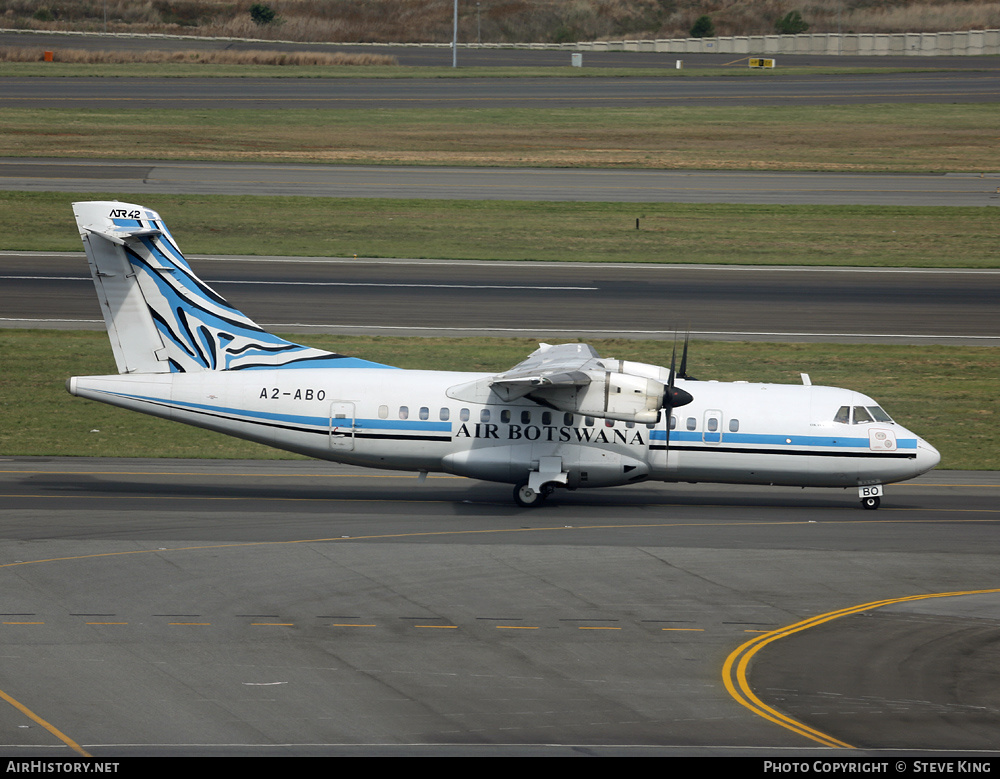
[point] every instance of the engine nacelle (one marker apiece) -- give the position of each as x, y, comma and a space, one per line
621, 396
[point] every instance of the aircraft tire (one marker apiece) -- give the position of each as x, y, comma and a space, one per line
527, 498
870, 503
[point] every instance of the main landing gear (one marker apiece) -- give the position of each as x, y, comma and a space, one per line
527, 497
870, 503
548, 475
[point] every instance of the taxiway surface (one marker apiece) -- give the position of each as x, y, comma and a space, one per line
198, 607
164, 607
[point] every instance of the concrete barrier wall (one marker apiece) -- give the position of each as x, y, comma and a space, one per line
926, 44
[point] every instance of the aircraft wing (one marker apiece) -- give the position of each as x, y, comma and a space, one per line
560, 366
574, 378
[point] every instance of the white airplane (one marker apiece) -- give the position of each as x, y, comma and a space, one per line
564, 417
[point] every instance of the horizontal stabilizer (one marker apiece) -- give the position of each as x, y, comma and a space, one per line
121, 237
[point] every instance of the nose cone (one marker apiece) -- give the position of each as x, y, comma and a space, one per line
927, 456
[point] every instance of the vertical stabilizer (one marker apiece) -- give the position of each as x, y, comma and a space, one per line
161, 317
134, 338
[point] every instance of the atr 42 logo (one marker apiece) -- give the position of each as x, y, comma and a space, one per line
123, 213
603, 435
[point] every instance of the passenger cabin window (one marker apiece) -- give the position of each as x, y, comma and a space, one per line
734, 425
525, 417
588, 421
383, 412
505, 416
464, 415
568, 420
425, 413
673, 422
484, 415
546, 417
692, 423
713, 425
404, 412
444, 415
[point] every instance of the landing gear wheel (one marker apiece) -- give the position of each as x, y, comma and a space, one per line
527, 498
870, 503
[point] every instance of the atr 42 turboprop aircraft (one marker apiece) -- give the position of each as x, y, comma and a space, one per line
565, 417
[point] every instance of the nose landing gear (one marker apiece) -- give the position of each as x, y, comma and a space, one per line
870, 495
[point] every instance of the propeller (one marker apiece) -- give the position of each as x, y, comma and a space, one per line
675, 397
684, 358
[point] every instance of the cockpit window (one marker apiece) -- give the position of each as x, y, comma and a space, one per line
861, 415
879, 414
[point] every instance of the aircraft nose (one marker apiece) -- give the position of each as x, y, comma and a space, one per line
927, 456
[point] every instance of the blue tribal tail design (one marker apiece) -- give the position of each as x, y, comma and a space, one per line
198, 328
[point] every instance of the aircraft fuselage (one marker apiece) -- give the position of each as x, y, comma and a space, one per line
432, 421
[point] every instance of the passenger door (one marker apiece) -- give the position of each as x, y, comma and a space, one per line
342, 425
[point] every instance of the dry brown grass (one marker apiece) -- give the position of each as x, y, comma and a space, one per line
905, 138
501, 20
250, 57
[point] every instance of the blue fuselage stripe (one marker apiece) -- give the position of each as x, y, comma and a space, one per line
761, 439
313, 421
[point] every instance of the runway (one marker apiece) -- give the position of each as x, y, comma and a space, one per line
549, 300
199, 607
347, 93
534, 184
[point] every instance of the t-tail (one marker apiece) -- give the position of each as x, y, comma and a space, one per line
161, 317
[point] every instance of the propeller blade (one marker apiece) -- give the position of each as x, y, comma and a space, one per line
684, 359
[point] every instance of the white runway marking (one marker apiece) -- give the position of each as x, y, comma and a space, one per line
340, 284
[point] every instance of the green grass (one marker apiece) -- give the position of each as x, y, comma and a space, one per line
883, 236
945, 394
